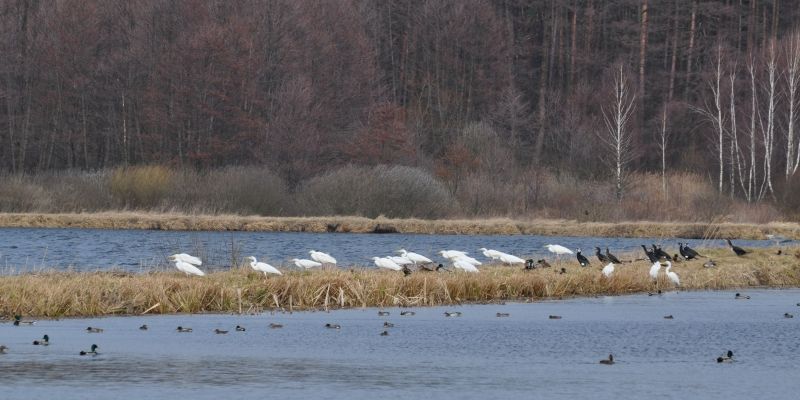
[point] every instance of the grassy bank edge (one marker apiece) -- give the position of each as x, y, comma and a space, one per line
240, 290
495, 226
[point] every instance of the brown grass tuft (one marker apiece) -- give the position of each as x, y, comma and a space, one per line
59, 294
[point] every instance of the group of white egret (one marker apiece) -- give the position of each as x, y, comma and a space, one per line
189, 264
458, 259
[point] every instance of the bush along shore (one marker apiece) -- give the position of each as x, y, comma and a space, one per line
241, 290
497, 226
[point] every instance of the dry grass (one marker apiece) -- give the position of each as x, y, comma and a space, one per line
502, 226
58, 294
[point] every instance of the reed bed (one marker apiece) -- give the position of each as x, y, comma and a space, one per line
503, 226
240, 290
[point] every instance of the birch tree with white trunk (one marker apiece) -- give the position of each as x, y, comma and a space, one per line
714, 114
792, 81
617, 136
768, 131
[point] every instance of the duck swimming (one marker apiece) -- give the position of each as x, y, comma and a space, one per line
333, 326
18, 321
503, 314
787, 315
385, 333
383, 313
220, 331
275, 326
669, 317
3, 349
183, 330
94, 330
608, 361
726, 358
388, 324
739, 296
554, 317
92, 352
407, 313
143, 327
44, 342
452, 313
240, 328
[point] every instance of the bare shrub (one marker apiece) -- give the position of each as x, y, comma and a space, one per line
76, 191
140, 186
19, 195
393, 191
246, 190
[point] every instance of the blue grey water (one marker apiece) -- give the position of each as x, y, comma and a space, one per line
29, 249
475, 356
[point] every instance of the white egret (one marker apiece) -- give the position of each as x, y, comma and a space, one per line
558, 249
493, 254
608, 270
465, 265
468, 259
323, 258
510, 259
186, 258
451, 254
400, 260
386, 263
654, 270
262, 267
416, 258
672, 276
188, 269
305, 263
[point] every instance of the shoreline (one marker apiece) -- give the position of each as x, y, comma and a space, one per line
345, 224
241, 290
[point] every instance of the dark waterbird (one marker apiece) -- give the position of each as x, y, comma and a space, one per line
240, 328
94, 330
740, 296
612, 257
582, 259
183, 330
736, 249
333, 326
44, 342
608, 361
687, 252
726, 358
600, 256
649, 254
92, 352
529, 264
143, 327
220, 331
543, 263
659, 253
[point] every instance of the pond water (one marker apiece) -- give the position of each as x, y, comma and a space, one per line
475, 356
139, 250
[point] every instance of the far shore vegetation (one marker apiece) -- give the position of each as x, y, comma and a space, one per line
382, 198
55, 294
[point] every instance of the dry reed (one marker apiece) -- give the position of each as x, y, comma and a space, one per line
62, 294
503, 226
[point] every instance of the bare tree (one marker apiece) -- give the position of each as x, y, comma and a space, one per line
715, 116
663, 141
768, 131
617, 136
736, 156
792, 80
751, 181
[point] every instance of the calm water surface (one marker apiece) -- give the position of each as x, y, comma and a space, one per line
476, 356
90, 249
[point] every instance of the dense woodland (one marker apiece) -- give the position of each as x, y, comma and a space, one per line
506, 90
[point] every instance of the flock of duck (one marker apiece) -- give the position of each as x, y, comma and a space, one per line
94, 348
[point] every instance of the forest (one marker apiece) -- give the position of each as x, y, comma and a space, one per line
577, 108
